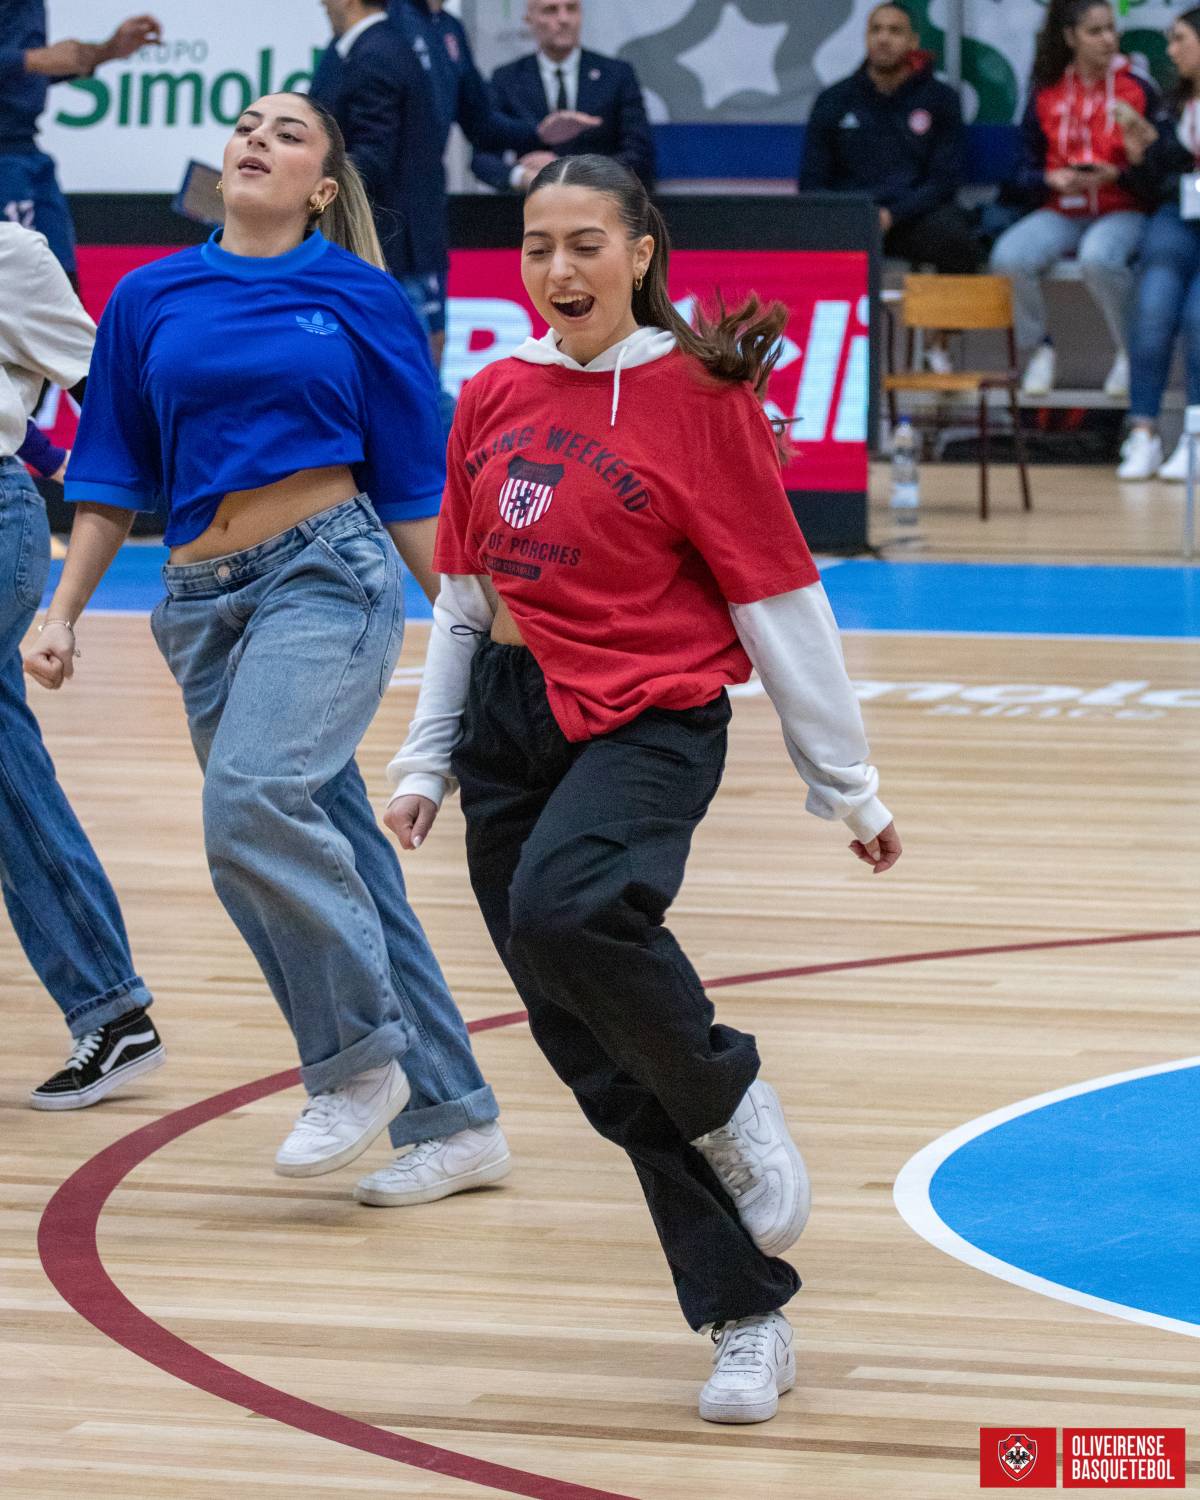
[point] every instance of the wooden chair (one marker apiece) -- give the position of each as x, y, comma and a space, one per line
944, 304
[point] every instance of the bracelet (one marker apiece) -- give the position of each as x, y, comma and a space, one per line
75, 651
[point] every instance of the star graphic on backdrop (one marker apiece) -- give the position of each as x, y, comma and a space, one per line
739, 56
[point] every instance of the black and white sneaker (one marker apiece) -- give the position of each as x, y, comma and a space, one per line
102, 1061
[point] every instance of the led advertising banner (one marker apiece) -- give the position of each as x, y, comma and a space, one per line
819, 388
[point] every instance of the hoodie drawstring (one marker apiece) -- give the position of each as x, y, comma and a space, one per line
616, 401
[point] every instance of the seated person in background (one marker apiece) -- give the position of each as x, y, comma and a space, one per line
1074, 165
895, 132
1166, 295
561, 76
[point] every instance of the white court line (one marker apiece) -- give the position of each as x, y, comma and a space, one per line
911, 1196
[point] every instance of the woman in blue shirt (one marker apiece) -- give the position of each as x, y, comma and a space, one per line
277, 391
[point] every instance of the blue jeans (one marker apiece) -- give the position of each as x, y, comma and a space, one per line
62, 906
1104, 246
30, 195
1166, 299
283, 653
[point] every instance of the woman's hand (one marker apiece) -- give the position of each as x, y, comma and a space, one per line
51, 659
410, 819
881, 853
1139, 135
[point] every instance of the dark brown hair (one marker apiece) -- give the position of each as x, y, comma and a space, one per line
1183, 90
742, 343
1054, 56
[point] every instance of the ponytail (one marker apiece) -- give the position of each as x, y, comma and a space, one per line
742, 344
347, 220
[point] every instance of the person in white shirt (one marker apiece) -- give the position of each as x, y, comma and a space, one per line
562, 75
62, 906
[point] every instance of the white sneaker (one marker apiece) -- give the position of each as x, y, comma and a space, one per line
1175, 468
1141, 454
1116, 383
761, 1170
336, 1127
434, 1169
938, 361
754, 1363
1040, 371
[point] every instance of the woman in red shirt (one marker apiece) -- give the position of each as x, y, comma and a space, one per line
616, 549
1074, 166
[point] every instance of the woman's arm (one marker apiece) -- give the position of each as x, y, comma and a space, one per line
420, 771
414, 542
793, 641
96, 538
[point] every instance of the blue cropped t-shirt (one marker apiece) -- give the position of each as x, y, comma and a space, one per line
215, 372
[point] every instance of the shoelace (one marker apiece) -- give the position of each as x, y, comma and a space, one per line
419, 1154
736, 1169
741, 1346
85, 1049
320, 1112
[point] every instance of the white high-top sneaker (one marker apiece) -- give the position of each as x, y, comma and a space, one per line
336, 1127
761, 1169
1175, 468
434, 1169
1141, 455
1038, 379
753, 1365
1116, 383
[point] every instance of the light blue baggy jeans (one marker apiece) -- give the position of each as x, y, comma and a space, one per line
1104, 246
283, 653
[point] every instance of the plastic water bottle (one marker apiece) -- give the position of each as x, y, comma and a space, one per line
906, 482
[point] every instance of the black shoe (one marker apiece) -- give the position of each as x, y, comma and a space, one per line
102, 1061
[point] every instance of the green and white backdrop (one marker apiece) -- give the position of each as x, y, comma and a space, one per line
729, 63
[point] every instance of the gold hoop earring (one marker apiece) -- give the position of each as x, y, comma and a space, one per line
637, 282
220, 187
317, 209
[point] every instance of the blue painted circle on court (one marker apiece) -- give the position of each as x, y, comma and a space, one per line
1099, 1193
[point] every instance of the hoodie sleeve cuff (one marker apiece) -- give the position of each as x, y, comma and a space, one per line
868, 821
421, 784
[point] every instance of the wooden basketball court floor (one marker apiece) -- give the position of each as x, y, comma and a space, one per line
263, 1337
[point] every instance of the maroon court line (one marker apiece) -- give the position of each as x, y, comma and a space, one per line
70, 1255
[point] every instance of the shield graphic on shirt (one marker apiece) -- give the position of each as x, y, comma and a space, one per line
527, 492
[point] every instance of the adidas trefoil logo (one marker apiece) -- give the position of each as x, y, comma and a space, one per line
317, 324
849, 121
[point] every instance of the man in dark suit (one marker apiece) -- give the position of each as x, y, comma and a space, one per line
561, 76
373, 84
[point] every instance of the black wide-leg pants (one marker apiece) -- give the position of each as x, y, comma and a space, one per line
575, 853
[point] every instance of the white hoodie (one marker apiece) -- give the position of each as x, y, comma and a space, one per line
791, 639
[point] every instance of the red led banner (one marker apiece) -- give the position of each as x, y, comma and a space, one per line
819, 387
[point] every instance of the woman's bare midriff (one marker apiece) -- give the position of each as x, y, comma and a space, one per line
504, 627
245, 518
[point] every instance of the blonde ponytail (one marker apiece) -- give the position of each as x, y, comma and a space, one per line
347, 220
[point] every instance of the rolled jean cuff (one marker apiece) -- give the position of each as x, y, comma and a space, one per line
388, 1044
436, 1121
123, 998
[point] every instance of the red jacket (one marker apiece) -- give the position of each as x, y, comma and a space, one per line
1071, 122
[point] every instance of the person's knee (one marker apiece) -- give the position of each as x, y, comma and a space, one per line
243, 813
1005, 260
1105, 257
561, 902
